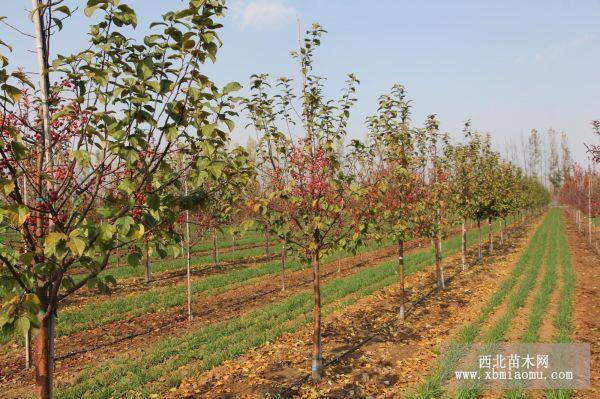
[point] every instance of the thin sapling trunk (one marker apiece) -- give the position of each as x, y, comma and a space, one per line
401, 273
463, 245
480, 249
317, 352
147, 263
490, 235
215, 250
283, 255
439, 271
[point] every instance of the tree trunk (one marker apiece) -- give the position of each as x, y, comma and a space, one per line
267, 244
590, 210
480, 251
215, 250
283, 254
189, 262
439, 271
502, 231
147, 263
317, 353
463, 245
490, 235
401, 273
28, 349
44, 357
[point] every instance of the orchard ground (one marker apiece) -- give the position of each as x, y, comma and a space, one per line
251, 339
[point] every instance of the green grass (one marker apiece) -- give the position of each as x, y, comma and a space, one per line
147, 372
527, 264
126, 271
154, 300
563, 318
539, 308
563, 321
161, 265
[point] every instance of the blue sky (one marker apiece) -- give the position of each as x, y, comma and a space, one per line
509, 65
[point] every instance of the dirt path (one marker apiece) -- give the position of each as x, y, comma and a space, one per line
394, 358
586, 316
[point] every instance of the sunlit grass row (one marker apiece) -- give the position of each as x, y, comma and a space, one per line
432, 386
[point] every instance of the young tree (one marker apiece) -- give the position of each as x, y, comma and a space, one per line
555, 169
534, 160
594, 149
437, 218
110, 114
393, 150
463, 160
315, 205
485, 194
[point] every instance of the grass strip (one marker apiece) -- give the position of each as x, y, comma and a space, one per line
563, 321
496, 334
432, 387
539, 308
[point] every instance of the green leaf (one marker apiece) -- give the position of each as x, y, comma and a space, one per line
54, 244
22, 325
82, 157
18, 215
76, 245
230, 124
127, 186
7, 186
13, 92
110, 280
107, 232
88, 11
144, 68
124, 224
216, 169
231, 87
18, 149
153, 201
151, 40
134, 258
64, 9
172, 133
5, 319
54, 237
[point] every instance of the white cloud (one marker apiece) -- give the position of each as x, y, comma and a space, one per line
262, 14
576, 47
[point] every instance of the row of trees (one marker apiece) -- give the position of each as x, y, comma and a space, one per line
115, 145
581, 190
320, 193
